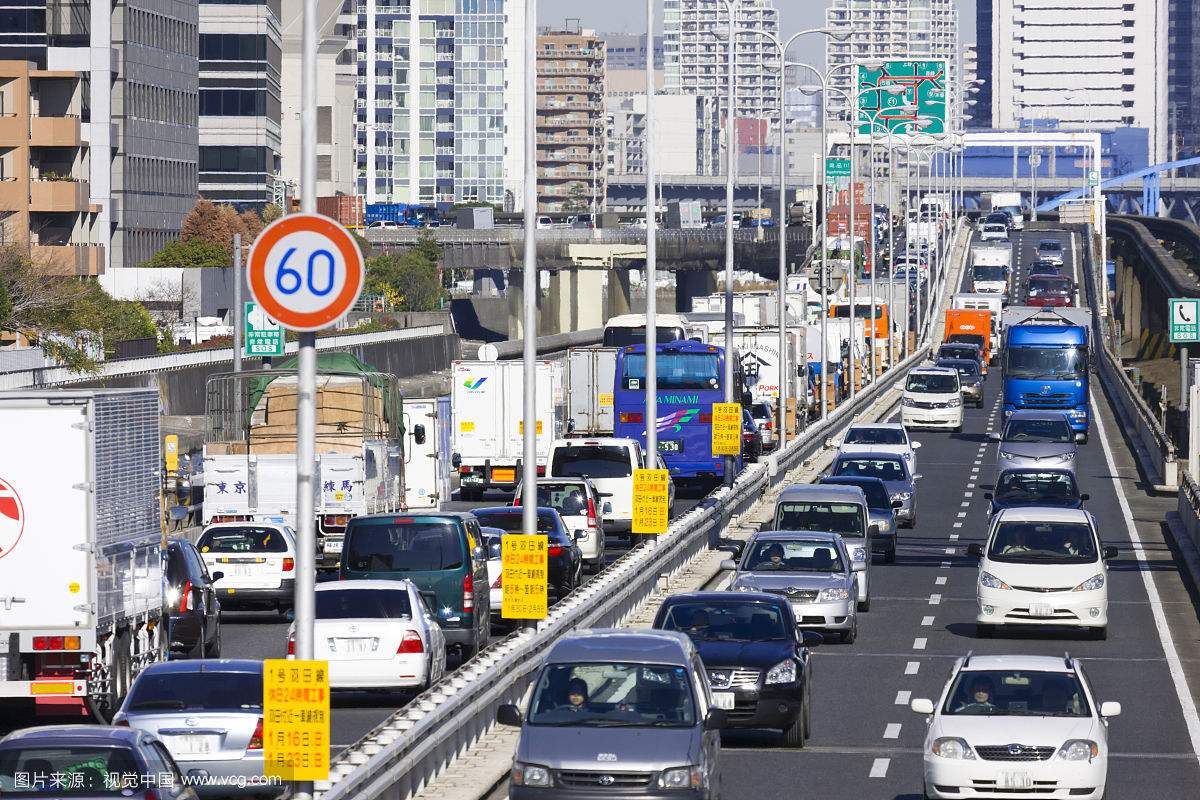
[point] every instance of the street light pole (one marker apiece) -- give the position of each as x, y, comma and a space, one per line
731, 7
651, 415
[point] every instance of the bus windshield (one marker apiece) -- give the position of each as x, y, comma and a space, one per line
1046, 363
675, 371
623, 337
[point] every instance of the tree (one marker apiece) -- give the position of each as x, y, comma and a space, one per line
578, 198
194, 252
254, 225
215, 224
411, 280
270, 213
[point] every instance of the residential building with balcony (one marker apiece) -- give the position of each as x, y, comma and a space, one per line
686, 135
570, 121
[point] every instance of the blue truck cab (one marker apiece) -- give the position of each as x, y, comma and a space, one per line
1045, 363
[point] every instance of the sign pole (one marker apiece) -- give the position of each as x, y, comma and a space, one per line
529, 503
239, 319
1184, 394
651, 415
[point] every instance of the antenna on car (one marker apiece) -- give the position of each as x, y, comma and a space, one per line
1067, 661
967, 661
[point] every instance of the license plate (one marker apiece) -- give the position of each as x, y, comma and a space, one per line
353, 646
190, 745
670, 447
1041, 610
333, 545
239, 571
504, 475
723, 700
1017, 781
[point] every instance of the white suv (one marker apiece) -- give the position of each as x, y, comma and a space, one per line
1016, 726
578, 502
1043, 566
932, 399
609, 464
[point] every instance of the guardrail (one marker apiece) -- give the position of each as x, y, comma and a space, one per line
403, 754
1173, 276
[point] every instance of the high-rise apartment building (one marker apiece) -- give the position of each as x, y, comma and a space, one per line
884, 30
802, 110
695, 53
973, 90
1183, 72
136, 73
241, 58
981, 113
625, 56
570, 120
481, 80
686, 134
1081, 64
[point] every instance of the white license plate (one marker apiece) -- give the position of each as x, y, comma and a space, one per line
1016, 781
190, 745
1041, 610
333, 545
353, 646
240, 571
723, 700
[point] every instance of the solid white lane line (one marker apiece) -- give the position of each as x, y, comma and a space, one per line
912, 668
919, 643
892, 731
940, 580
926, 622
1186, 705
902, 697
879, 768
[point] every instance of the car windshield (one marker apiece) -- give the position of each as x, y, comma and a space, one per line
1043, 543
965, 368
491, 543
886, 469
513, 521
613, 695
726, 621
1017, 693
675, 371
1048, 284
568, 499
1057, 431
66, 771
950, 351
591, 461
931, 383
211, 690
250, 539
989, 273
1050, 246
861, 311
872, 435
1047, 363
1022, 486
843, 518
877, 493
412, 546
1043, 268
796, 555
363, 604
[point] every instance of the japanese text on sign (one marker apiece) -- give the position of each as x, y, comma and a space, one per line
263, 336
524, 576
651, 499
1185, 319
296, 719
726, 429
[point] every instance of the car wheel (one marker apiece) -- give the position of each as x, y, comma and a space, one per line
983, 631
865, 605
849, 636
213, 648
807, 711
795, 735
890, 557
1099, 634
958, 429
199, 650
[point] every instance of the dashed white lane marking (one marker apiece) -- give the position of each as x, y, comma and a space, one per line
968, 494
949, 551
970, 486
962, 514
892, 731
912, 667
902, 697
926, 622
935, 599
940, 580
965, 504
954, 537
919, 643
958, 524
945, 565
879, 767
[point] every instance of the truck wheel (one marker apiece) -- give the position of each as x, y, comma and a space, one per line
121, 669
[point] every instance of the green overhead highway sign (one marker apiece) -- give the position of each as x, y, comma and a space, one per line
924, 84
837, 173
1185, 319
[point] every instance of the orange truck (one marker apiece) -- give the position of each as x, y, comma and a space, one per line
970, 326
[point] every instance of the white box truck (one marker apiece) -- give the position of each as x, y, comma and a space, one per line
756, 308
1010, 202
81, 533
590, 378
428, 477
487, 433
758, 350
991, 267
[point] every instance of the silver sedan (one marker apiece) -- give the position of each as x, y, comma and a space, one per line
1036, 439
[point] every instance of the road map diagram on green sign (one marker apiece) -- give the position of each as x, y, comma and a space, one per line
924, 85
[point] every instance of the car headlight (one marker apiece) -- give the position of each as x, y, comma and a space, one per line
1063, 458
832, 595
954, 748
681, 778
908, 401
1078, 750
784, 671
859, 554
530, 775
883, 525
1091, 584
991, 581
954, 402
1007, 455
902, 496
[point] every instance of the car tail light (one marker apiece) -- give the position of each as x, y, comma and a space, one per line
541, 470
256, 738
497, 584
593, 520
468, 593
185, 598
289, 564
56, 643
554, 550
768, 425
291, 646
631, 416
410, 644
705, 419
464, 470
121, 723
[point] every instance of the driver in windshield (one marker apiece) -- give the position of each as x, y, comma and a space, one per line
577, 694
699, 624
774, 558
981, 698
1017, 544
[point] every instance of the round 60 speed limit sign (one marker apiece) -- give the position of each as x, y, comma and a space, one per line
305, 271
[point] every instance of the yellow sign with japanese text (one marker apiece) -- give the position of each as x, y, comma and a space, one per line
296, 719
171, 453
651, 500
524, 576
521, 427
726, 429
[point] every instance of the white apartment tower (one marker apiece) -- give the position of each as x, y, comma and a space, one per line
695, 53
1083, 63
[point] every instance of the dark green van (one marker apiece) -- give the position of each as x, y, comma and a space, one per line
441, 553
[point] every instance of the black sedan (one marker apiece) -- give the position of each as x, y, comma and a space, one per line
1044, 267
752, 438
1021, 488
564, 556
193, 610
757, 660
969, 378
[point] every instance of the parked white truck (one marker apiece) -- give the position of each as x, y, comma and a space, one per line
81, 535
487, 432
589, 392
250, 447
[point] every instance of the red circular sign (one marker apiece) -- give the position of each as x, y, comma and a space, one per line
12, 518
305, 271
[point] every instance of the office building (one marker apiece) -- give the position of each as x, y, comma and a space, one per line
695, 59
336, 67
802, 110
686, 135
981, 113
625, 70
1183, 69
135, 68
1083, 64
570, 120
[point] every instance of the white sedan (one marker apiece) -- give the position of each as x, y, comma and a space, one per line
1013, 725
376, 635
879, 437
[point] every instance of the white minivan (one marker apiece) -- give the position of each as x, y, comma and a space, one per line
609, 463
932, 399
1043, 566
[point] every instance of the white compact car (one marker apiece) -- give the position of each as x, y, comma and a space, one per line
1043, 566
1016, 726
609, 464
993, 232
376, 635
932, 399
578, 502
253, 564
879, 437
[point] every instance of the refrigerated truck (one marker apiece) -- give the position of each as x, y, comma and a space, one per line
81, 545
991, 267
589, 390
487, 433
758, 349
428, 476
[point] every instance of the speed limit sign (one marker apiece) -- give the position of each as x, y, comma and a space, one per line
305, 271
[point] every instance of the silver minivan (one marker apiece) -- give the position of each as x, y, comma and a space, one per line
835, 509
617, 710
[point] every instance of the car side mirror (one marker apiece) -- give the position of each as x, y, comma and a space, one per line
715, 719
987, 495
1110, 553
858, 566
419, 434
580, 535
607, 509
994, 436
479, 554
216, 576
975, 549
921, 705
1110, 709
917, 477
1080, 437
1085, 496
728, 563
897, 504
915, 445
509, 715
812, 638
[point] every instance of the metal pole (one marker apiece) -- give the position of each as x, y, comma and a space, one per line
853, 245
874, 250
651, 415
893, 203
824, 263
784, 368
1033, 183
1183, 378
239, 320
530, 284
731, 165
